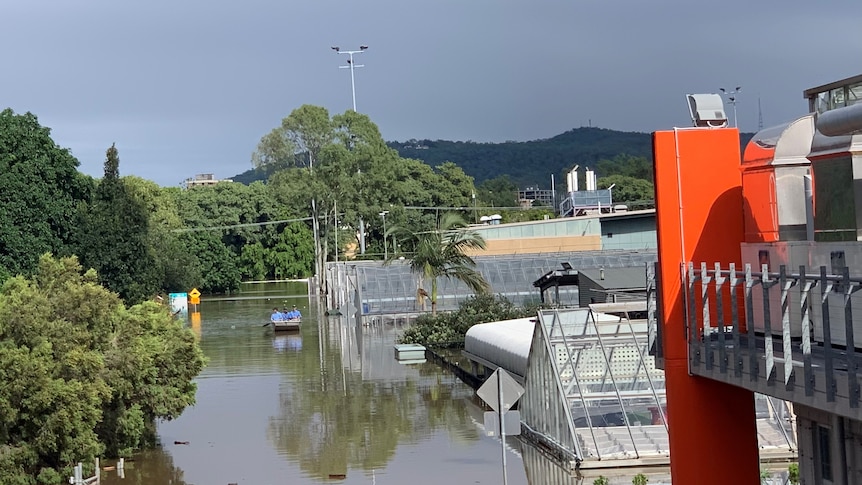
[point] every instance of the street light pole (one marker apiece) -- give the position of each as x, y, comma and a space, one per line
350, 65
475, 212
731, 96
385, 250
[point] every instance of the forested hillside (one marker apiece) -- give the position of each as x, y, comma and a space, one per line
529, 163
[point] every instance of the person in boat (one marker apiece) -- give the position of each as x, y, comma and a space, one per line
293, 314
276, 316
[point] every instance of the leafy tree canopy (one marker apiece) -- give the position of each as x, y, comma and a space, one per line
41, 191
627, 189
83, 375
116, 235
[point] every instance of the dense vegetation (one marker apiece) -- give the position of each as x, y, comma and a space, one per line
41, 189
82, 374
339, 166
449, 329
501, 168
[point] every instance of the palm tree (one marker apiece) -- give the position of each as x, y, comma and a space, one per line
442, 253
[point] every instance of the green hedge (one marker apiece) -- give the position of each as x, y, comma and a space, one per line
449, 329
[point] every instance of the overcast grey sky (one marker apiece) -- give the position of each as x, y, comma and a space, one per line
190, 86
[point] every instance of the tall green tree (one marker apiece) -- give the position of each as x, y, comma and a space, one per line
40, 191
175, 266
274, 151
115, 241
311, 131
627, 189
499, 191
217, 264
443, 253
293, 255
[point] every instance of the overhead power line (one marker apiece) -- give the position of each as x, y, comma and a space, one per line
235, 226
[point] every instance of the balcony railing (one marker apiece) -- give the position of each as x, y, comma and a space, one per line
788, 335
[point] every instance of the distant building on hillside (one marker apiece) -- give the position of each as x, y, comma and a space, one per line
537, 196
203, 180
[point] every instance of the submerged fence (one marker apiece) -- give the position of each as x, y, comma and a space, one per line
393, 288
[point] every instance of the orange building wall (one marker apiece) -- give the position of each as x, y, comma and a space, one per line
712, 428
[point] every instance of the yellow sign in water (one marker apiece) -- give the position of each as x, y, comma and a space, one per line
195, 297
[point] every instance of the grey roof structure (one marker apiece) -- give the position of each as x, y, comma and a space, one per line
616, 278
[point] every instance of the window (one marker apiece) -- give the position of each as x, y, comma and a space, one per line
854, 94
836, 98
825, 452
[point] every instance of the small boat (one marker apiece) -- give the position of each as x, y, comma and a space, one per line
282, 325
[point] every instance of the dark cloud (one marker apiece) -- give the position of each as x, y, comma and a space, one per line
189, 86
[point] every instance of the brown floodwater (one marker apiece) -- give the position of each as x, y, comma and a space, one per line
328, 404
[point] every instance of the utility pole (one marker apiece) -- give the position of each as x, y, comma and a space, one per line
731, 96
350, 65
385, 250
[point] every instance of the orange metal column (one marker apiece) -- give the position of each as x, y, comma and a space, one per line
713, 433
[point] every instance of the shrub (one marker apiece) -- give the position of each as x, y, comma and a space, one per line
793, 474
449, 329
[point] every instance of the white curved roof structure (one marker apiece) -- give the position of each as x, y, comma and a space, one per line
505, 344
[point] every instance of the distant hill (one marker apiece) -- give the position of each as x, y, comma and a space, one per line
529, 163
252, 175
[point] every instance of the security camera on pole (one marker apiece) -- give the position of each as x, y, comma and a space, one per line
350, 65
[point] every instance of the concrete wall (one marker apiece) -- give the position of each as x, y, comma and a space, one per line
628, 232
541, 245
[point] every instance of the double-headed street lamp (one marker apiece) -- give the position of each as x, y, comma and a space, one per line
385, 250
350, 65
731, 96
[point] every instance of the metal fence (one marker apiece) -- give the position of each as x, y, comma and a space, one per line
392, 288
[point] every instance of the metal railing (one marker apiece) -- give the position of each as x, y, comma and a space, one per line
792, 329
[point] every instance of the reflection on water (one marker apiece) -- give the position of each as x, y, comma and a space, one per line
284, 341
327, 403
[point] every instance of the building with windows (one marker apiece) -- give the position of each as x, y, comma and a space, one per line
203, 180
535, 196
